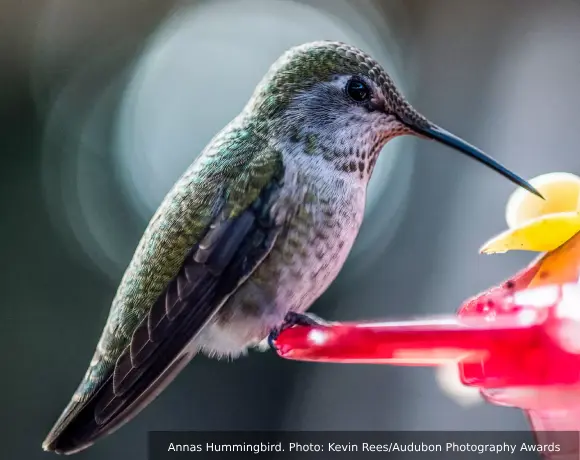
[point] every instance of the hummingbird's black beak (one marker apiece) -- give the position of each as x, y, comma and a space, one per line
446, 138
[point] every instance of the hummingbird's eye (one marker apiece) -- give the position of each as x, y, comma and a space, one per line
358, 90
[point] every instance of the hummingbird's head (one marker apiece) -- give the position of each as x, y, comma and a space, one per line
332, 99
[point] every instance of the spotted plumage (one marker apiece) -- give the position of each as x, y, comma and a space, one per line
259, 225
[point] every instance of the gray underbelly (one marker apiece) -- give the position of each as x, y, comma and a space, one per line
291, 278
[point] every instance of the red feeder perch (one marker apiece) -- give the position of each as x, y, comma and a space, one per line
519, 345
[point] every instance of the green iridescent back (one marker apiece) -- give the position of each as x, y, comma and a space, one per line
229, 175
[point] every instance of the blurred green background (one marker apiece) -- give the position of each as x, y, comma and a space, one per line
104, 104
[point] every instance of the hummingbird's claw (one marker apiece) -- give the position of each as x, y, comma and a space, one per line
272, 338
294, 319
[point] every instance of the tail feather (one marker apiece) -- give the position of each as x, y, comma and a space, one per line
73, 435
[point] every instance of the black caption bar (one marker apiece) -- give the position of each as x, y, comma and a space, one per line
298, 445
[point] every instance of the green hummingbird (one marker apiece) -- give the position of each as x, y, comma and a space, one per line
253, 232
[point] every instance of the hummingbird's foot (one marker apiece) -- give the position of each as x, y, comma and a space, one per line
295, 319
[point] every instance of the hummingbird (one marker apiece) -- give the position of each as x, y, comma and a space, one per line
252, 233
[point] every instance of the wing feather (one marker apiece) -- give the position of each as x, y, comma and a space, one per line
128, 373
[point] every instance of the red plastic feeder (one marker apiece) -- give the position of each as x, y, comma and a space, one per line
519, 345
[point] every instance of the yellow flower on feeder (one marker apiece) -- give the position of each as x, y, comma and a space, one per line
540, 225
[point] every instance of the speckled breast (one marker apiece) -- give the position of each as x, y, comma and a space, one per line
322, 223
